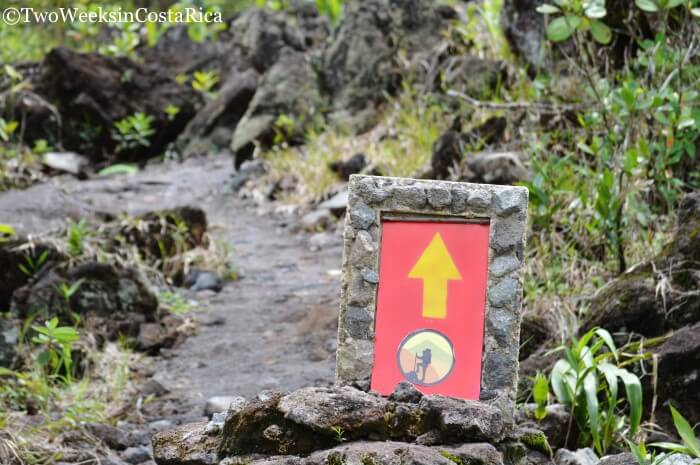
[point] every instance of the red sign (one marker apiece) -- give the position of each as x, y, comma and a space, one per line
429, 325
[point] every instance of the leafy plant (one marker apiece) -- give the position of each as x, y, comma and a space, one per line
540, 394
171, 111
339, 433
586, 381
133, 131
68, 290
119, 168
7, 128
691, 444
6, 232
331, 8
76, 235
205, 81
32, 265
57, 342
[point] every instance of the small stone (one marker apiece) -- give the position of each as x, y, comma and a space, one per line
362, 217
336, 204
199, 280
479, 199
580, 457
358, 322
189, 444
510, 200
136, 455
459, 200
503, 293
464, 420
439, 197
406, 392
507, 233
504, 265
369, 191
112, 437
370, 276
68, 162
316, 220
218, 404
624, 458
410, 196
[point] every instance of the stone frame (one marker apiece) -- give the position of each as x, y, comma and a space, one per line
504, 207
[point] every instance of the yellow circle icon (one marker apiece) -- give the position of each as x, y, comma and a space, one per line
426, 357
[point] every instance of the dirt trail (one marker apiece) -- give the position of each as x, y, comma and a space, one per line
273, 329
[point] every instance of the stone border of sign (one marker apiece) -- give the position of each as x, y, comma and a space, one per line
504, 207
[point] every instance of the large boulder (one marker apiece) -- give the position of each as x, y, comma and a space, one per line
289, 88
92, 92
316, 418
110, 300
656, 297
524, 29
358, 66
678, 378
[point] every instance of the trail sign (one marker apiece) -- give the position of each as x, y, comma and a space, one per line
431, 288
430, 305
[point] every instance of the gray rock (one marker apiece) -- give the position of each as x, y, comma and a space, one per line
136, 455
463, 420
495, 168
504, 265
579, 457
67, 162
524, 29
510, 200
218, 404
362, 217
324, 410
317, 220
8, 342
553, 425
249, 170
186, 445
202, 280
288, 88
479, 453
624, 458
110, 299
112, 437
336, 204
406, 392
439, 198
476, 77
504, 292
379, 453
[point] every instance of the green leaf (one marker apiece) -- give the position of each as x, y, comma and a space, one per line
674, 3
672, 446
695, 12
6, 230
596, 11
634, 397
590, 388
547, 9
607, 338
685, 431
561, 28
601, 32
540, 393
562, 380
120, 168
638, 451
647, 5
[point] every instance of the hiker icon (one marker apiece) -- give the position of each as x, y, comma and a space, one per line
425, 357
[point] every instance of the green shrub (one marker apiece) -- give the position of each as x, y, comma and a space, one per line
586, 381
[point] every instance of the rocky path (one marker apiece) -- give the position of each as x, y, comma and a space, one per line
272, 329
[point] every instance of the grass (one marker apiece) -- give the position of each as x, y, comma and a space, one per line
400, 145
105, 394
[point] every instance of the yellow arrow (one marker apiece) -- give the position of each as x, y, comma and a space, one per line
435, 267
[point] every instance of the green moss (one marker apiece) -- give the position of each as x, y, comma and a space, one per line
536, 441
335, 459
367, 460
461, 460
